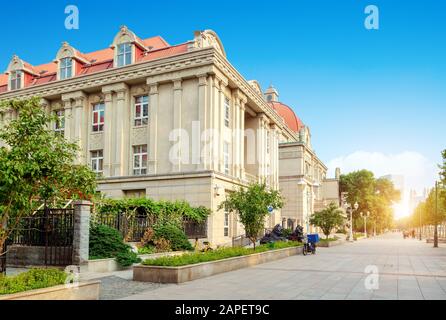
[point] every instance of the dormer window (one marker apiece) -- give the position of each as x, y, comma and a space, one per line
124, 54
16, 80
66, 68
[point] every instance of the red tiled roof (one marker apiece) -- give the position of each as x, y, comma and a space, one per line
100, 60
291, 119
95, 67
165, 52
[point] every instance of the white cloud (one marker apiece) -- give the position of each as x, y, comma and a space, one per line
418, 171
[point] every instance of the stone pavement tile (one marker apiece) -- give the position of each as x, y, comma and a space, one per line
334, 296
359, 296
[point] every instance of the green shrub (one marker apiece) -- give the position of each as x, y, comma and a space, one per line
106, 242
286, 232
127, 258
148, 249
177, 238
219, 254
32, 279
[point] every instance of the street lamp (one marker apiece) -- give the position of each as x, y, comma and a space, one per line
308, 209
350, 209
365, 216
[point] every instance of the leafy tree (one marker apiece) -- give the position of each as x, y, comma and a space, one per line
443, 168
373, 195
328, 219
36, 164
252, 204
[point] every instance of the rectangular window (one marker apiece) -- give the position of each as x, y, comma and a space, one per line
16, 80
66, 68
227, 112
140, 160
124, 54
97, 161
98, 117
59, 125
141, 111
226, 157
226, 224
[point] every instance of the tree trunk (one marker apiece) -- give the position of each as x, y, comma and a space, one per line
253, 240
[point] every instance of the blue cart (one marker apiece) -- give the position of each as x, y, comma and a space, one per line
310, 242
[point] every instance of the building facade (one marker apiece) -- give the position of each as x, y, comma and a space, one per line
172, 122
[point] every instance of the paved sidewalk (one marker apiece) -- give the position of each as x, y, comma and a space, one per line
408, 269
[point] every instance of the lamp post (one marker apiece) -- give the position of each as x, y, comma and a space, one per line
436, 216
308, 209
350, 209
365, 216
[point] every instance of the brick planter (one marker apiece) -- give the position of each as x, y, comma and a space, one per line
111, 265
201, 270
84, 291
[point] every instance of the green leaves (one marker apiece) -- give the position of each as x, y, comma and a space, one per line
36, 164
252, 204
328, 219
373, 195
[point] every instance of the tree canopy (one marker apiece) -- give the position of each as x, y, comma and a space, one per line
251, 204
36, 164
328, 219
373, 195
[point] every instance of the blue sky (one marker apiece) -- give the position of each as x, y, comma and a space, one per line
381, 92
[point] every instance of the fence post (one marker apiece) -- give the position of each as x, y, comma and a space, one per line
81, 235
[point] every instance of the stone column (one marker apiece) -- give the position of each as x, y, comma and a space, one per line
215, 156
79, 121
81, 234
235, 134
153, 125
202, 115
177, 123
242, 138
108, 133
221, 126
120, 116
68, 118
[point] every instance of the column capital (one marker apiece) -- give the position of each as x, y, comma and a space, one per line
202, 79
67, 104
153, 87
116, 87
108, 96
72, 96
177, 84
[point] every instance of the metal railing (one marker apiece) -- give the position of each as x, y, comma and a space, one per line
132, 227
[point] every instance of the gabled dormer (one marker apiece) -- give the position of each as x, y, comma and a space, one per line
20, 73
69, 62
127, 47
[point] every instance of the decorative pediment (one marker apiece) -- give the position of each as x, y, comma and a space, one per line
125, 35
15, 64
256, 86
67, 51
208, 38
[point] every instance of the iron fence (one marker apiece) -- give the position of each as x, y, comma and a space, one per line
132, 227
52, 229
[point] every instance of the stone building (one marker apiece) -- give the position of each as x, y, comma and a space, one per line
173, 122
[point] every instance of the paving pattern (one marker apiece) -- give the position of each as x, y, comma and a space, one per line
407, 269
